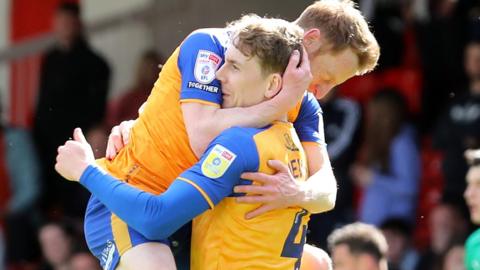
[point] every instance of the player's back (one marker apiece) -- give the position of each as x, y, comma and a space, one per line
224, 239
159, 149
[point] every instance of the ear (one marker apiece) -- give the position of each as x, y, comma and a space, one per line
312, 40
274, 85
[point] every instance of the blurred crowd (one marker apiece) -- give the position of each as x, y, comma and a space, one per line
396, 139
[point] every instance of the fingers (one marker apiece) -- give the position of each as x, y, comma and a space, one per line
294, 60
57, 167
253, 199
259, 211
78, 136
115, 143
251, 189
110, 152
125, 136
111, 149
305, 62
258, 177
279, 166
124, 130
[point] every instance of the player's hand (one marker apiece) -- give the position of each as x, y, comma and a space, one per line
296, 79
74, 157
118, 138
277, 191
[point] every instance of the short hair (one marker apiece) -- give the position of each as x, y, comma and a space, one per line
271, 40
361, 239
398, 225
69, 7
343, 26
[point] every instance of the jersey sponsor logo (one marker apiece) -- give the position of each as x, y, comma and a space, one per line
208, 88
217, 162
107, 255
205, 66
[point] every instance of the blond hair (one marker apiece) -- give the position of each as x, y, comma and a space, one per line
271, 40
343, 26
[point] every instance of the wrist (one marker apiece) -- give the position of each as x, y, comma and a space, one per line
82, 169
303, 196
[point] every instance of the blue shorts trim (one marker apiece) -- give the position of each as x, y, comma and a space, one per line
107, 236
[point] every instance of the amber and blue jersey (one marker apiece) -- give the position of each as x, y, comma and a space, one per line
159, 151
159, 148
222, 237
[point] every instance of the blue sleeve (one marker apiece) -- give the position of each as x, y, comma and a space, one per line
201, 54
201, 187
227, 157
309, 122
154, 216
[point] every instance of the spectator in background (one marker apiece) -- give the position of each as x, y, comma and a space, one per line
21, 215
447, 225
358, 246
73, 91
126, 106
442, 40
401, 254
472, 196
390, 170
56, 241
21, 178
84, 261
458, 128
341, 118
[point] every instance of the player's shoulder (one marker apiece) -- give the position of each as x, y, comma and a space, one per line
310, 103
240, 135
237, 142
241, 139
217, 37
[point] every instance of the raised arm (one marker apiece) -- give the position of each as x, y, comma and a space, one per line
199, 56
205, 122
156, 216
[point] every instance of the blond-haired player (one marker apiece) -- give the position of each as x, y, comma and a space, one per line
160, 149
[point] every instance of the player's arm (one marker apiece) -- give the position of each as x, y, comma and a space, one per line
318, 193
157, 216
201, 94
154, 216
